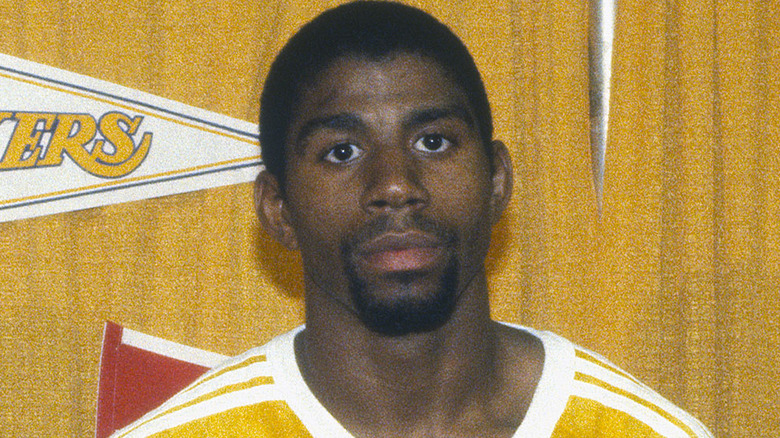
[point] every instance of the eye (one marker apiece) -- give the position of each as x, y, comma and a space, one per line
343, 153
432, 143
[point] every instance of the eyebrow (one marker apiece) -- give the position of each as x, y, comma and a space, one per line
339, 122
350, 121
428, 115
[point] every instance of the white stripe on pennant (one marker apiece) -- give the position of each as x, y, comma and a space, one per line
171, 349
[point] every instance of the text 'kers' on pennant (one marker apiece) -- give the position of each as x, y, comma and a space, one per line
70, 142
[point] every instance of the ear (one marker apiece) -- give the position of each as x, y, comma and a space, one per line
272, 210
502, 179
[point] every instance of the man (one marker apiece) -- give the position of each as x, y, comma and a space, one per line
382, 170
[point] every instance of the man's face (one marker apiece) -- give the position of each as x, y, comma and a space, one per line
389, 191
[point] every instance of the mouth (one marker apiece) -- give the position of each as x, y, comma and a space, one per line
406, 251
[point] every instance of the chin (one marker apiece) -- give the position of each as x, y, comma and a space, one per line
412, 305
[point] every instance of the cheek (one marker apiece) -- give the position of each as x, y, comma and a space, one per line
463, 192
462, 199
319, 222
319, 214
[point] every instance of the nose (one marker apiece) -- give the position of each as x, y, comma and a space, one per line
393, 183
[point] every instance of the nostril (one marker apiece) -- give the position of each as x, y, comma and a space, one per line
379, 203
414, 202
397, 202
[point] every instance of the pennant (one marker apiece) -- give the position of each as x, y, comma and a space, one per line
139, 372
70, 142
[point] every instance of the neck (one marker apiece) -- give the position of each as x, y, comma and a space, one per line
375, 381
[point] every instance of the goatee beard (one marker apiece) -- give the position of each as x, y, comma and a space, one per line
408, 313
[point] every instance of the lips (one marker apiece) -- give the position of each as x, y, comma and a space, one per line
401, 252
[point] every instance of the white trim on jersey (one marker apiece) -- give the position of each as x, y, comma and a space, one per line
298, 396
608, 373
548, 402
215, 405
220, 381
623, 404
235, 371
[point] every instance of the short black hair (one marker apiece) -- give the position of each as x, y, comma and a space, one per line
367, 29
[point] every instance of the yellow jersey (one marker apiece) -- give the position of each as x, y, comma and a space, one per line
261, 393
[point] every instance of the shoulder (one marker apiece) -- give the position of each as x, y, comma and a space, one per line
239, 391
608, 399
583, 394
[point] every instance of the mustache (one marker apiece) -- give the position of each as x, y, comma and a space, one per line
397, 224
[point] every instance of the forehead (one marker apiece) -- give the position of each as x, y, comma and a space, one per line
399, 83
